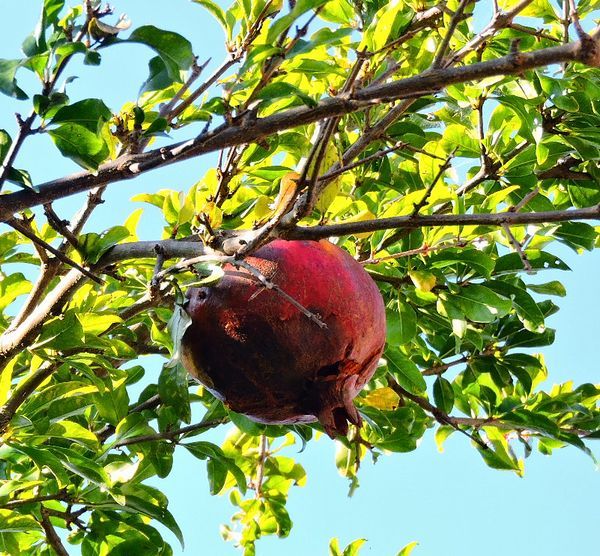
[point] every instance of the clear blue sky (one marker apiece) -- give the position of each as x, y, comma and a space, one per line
451, 503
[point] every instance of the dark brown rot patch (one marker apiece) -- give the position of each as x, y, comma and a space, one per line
263, 357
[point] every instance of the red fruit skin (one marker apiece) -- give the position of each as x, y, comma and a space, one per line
264, 358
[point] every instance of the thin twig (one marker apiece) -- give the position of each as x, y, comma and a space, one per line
61, 496
366, 160
421, 21
538, 33
184, 265
517, 247
439, 415
242, 132
25, 127
525, 200
425, 249
160, 261
60, 226
442, 169
441, 369
195, 72
260, 468
169, 435
272, 286
456, 18
566, 21
499, 21
22, 229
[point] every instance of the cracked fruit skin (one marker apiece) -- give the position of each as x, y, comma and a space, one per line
264, 358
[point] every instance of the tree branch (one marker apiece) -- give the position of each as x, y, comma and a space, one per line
439, 415
51, 535
23, 230
437, 220
169, 435
241, 131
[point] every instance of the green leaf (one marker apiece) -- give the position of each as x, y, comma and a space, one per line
553, 287
401, 324
5, 143
132, 426
566, 102
12, 522
407, 550
63, 332
113, 403
217, 474
281, 89
215, 10
174, 50
90, 113
525, 338
388, 23
96, 323
11, 287
158, 76
405, 372
173, 390
74, 431
85, 467
467, 258
340, 11
353, 548
80, 145
441, 435
8, 82
179, 322
499, 454
59, 396
540, 260
282, 23
577, 235
443, 394
157, 127
36, 42
525, 306
43, 458
203, 450
480, 304
92, 246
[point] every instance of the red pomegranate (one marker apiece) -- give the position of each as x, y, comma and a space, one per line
264, 358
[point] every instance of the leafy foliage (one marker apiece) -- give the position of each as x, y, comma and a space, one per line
467, 304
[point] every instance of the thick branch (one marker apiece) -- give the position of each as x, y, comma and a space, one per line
243, 130
10, 343
436, 220
187, 248
51, 534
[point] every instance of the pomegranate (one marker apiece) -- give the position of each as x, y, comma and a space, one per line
265, 358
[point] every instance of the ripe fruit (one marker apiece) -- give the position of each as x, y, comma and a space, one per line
263, 357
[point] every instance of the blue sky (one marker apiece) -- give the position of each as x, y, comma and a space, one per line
451, 503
